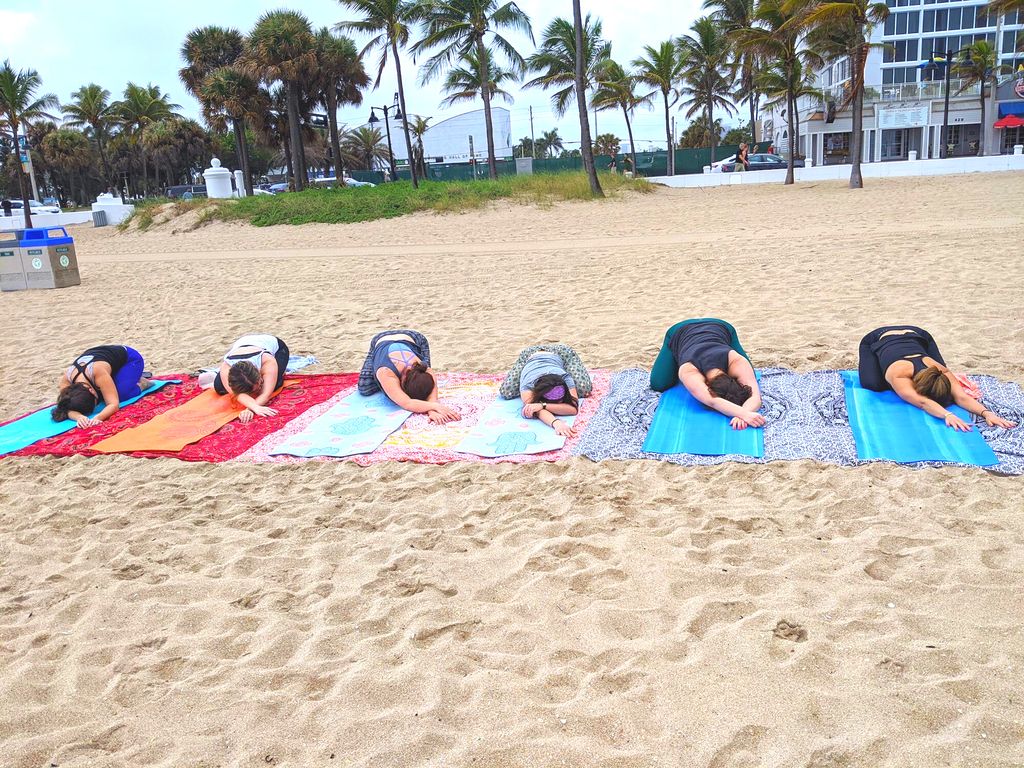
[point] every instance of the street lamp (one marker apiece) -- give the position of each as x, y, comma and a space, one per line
932, 67
387, 125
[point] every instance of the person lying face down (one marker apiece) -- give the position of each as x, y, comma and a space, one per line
398, 364
701, 356
112, 372
251, 371
906, 359
550, 379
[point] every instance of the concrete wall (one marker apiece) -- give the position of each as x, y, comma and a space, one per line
951, 165
17, 221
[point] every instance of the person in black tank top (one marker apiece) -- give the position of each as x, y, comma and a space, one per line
111, 372
717, 375
906, 360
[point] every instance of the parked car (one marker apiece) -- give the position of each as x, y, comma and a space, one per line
350, 182
762, 162
278, 188
34, 206
186, 191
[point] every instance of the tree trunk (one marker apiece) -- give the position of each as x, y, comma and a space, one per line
405, 116
485, 94
796, 123
103, 157
856, 180
288, 160
752, 103
145, 169
981, 132
242, 151
711, 129
295, 136
586, 147
632, 145
790, 175
332, 125
668, 139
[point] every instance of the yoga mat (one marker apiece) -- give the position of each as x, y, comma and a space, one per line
502, 431
27, 430
356, 424
886, 427
174, 429
305, 391
682, 424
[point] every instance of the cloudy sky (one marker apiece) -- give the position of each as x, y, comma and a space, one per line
111, 42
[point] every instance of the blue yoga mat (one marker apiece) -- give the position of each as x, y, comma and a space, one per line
39, 426
886, 427
354, 425
682, 424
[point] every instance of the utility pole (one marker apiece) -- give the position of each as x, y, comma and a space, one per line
533, 141
672, 149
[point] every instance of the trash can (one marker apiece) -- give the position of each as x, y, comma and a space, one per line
12, 272
48, 257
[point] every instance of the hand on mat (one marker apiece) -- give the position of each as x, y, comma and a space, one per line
995, 420
562, 429
87, 421
957, 423
530, 410
442, 414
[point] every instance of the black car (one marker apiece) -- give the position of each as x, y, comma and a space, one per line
186, 191
764, 162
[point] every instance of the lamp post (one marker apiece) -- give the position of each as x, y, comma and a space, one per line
387, 126
932, 67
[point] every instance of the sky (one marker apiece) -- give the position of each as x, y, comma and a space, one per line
75, 42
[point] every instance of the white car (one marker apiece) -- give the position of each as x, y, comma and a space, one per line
35, 206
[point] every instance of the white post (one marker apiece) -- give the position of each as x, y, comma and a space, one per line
240, 183
1018, 149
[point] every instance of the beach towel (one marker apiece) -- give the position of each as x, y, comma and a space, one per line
886, 427
501, 430
226, 443
355, 424
421, 442
681, 424
807, 419
26, 430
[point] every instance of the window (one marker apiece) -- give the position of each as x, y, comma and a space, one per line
941, 20
968, 18
1009, 41
890, 25
953, 19
928, 22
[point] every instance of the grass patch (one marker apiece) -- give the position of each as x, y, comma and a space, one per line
345, 206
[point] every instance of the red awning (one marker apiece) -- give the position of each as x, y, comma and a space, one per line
1010, 121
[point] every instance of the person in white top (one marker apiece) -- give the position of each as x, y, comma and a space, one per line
252, 370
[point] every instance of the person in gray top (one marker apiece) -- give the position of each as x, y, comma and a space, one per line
550, 379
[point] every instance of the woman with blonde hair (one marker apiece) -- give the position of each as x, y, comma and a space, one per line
906, 359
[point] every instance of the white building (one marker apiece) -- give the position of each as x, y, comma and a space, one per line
450, 140
904, 101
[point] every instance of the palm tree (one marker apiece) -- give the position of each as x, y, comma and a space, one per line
583, 69
70, 152
281, 47
853, 19
213, 53
18, 106
142, 106
735, 17
550, 143
775, 38
616, 89
978, 65
388, 21
707, 76
420, 126
555, 60
366, 145
465, 83
90, 107
661, 68
458, 27
1001, 7
340, 78
782, 85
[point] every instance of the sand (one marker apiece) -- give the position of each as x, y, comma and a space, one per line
157, 613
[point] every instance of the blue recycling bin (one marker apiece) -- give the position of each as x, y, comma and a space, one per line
48, 258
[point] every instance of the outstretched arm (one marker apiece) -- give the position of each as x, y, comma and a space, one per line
904, 387
697, 385
439, 414
972, 406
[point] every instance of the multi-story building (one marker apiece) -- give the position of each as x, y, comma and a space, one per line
905, 98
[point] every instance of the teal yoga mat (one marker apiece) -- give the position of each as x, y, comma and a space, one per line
502, 431
354, 425
682, 425
37, 426
886, 427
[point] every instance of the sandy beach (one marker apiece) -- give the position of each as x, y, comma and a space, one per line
160, 613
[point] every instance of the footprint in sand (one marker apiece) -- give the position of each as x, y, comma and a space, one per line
790, 630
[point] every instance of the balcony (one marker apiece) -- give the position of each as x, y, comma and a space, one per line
879, 94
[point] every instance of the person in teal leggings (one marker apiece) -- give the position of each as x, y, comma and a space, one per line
705, 356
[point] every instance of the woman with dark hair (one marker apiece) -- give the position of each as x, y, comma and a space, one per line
112, 372
398, 364
705, 355
550, 379
906, 359
251, 371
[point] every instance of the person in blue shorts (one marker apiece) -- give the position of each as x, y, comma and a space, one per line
111, 373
